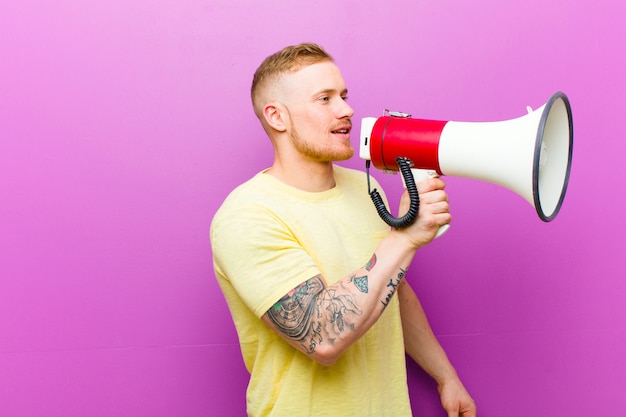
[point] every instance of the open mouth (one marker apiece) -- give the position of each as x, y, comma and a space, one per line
342, 130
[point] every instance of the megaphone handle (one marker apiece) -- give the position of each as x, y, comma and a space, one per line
420, 175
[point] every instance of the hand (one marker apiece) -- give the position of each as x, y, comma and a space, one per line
434, 211
456, 400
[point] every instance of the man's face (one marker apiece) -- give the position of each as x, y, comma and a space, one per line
319, 118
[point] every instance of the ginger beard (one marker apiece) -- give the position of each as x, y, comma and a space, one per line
335, 150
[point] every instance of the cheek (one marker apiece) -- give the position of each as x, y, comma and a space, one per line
312, 123
311, 120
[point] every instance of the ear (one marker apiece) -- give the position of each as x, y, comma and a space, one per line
274, 115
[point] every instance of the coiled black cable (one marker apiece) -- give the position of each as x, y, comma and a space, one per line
407, 219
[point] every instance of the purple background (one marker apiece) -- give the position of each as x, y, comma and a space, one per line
124, 124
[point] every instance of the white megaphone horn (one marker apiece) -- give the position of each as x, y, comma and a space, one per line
530, 155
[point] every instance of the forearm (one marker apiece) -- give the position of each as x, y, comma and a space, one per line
423, 347
420, 342
323, 321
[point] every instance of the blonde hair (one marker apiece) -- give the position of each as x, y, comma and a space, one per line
288, 59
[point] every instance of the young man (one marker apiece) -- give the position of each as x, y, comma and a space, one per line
310, 272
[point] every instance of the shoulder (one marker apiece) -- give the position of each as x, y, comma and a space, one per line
261, 206
244, 198
254, 191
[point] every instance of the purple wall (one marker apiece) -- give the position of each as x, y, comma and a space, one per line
124, 124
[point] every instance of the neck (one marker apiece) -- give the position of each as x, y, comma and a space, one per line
307, 176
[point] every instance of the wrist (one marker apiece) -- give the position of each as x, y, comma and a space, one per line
401, 242
404, 240
451, 378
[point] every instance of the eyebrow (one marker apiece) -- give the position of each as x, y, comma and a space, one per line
331, 90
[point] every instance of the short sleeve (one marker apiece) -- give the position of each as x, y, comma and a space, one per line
258, 255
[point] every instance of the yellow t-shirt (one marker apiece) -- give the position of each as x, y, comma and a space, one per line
268, 238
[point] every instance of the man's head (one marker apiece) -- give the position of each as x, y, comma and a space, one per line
300, 96
289, 59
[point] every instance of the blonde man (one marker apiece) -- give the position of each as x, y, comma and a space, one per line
313, 278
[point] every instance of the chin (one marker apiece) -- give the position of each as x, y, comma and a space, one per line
343, 156
348, 156
328, 155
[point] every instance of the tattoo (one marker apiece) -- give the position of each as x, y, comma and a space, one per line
293, 313
311, 314
371, 263
360, 283
394, 286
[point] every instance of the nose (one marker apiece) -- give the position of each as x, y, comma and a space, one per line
344, 110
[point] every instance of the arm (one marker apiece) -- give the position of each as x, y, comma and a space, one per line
323, 321
422, 346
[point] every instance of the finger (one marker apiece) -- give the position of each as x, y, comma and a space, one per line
430, 184
438, 205
433, 196
443, 219
435, 207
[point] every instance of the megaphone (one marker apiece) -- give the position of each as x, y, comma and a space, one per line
530, 155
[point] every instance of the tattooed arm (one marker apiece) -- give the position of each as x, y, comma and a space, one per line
323, 321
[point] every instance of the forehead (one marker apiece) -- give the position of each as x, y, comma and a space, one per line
317, 77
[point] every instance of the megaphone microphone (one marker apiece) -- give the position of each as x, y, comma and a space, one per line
530, 155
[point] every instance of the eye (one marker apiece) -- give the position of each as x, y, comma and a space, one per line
324, 99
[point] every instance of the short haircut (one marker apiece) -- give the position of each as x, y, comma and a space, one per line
289, 59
